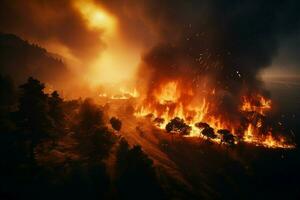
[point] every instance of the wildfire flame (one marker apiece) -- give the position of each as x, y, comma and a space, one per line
169, 100
123, 93
257, 104
251, 136
168, 93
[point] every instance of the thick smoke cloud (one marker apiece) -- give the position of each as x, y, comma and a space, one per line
45, 21
241, 35
229, 40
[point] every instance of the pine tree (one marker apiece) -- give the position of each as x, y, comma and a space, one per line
33, 119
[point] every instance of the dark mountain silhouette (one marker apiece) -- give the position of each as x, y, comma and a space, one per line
20, 59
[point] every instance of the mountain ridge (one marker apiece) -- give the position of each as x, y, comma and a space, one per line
20, 59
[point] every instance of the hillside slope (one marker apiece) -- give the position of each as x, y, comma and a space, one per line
20, 59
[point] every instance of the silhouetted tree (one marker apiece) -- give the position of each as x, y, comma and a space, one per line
94, 139
84, 181
70, 110
206, 130
7, 102
177, 125
116, 123
226, 136
56, 110
94, 142
121, 155
209, 132
10, 153
32, 116
96, 145
57, 115
136, 174
7, 91
202, 125
90, 116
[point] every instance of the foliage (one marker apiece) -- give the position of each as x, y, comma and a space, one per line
90, 116
136, 174
178, 125
56, 110
226, 136
74, 168
96, 145
33, 120
38, 119
202, 125
206, 130
7, 102
209, 132
116, 123
7, 91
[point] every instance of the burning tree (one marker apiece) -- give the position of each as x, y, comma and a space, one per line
209, 132
202, 125
226, 136
206, 130
178, 125
182, 105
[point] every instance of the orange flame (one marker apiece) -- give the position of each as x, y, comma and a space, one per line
251, 136
257, 104
169, 100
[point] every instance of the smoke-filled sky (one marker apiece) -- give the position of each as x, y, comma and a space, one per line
109, 41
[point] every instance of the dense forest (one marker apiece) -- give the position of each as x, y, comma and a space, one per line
52, 148
21, 59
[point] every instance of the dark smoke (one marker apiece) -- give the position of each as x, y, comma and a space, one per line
45, 21
233, 39
49, 24
229, 40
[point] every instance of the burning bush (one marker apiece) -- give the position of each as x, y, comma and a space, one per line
226, 136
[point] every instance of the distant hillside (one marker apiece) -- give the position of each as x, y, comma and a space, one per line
20, 59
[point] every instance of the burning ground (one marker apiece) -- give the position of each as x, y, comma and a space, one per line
202, 168
180, 109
